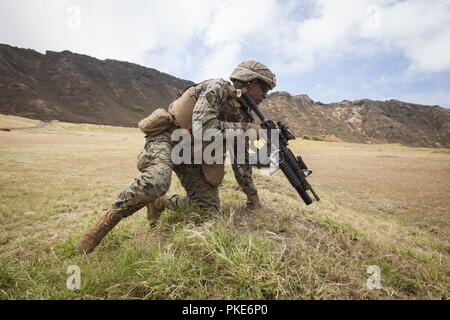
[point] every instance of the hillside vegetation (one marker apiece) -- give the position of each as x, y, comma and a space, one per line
76, 88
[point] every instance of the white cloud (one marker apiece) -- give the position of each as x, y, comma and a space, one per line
108, 29
233, 26
235, 20
202, 38
220, 61
419, 30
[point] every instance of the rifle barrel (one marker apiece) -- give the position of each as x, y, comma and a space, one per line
291, 165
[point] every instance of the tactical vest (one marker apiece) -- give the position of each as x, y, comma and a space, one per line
182, 108
181, 111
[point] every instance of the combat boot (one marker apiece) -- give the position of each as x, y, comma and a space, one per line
98, 231
253, 201
155, 208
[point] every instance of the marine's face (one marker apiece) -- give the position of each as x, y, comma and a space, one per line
258, 90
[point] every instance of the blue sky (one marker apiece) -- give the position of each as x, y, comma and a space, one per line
330, 50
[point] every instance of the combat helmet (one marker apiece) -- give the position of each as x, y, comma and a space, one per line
251, 70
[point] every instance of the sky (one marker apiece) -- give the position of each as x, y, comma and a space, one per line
330, 50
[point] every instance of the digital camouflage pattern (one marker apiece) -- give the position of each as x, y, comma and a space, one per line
215, 105
217, 108
155, 165
251, 70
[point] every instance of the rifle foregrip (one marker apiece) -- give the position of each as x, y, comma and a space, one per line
295, 182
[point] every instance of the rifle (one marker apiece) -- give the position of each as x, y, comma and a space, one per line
294, 168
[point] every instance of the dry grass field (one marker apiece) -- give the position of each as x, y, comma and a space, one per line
383, 205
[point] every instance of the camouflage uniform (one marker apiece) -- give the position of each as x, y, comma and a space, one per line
156, 166
215, 108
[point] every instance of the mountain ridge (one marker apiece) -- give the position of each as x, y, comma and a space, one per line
77, 88
362, 120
